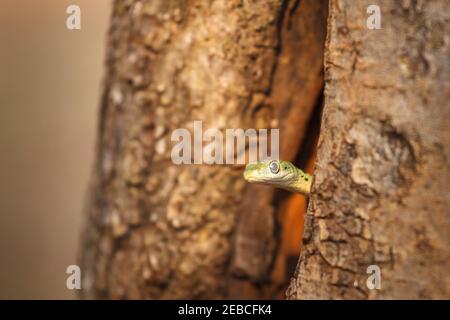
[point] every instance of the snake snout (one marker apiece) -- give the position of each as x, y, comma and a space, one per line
247, 175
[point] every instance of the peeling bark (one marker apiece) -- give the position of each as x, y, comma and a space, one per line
380, 194
157, 230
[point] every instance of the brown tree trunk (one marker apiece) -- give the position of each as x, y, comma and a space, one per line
380, 195
158, 230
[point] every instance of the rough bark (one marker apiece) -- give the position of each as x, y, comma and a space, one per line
381, 182
157, 230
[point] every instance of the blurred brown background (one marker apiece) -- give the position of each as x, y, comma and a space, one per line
49, 91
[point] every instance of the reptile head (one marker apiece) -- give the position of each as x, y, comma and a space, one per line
274, 172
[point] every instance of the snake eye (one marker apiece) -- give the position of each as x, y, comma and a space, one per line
274, 167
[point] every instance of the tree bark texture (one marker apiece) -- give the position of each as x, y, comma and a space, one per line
380, 195
157, 230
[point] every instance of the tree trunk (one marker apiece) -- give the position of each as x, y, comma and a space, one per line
158, 230
380, 195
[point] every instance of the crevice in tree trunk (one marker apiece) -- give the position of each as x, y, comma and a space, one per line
291, 208
296, 93
308, 146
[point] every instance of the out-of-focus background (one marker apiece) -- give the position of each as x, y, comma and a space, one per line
50, 81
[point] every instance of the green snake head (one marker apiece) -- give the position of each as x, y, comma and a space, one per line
279, 173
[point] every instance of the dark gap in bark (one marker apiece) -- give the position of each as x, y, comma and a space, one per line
306, 151
310, 140
288, 228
